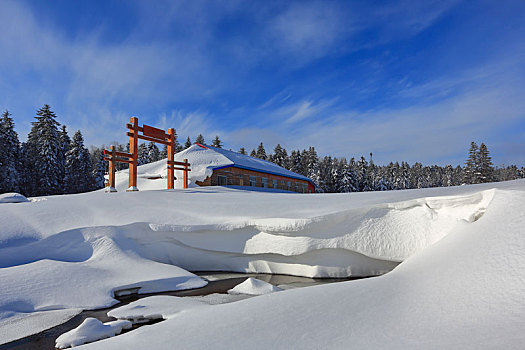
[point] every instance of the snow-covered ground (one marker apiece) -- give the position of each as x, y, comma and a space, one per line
457, 253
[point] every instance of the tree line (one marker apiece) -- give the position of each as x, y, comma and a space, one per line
50, 162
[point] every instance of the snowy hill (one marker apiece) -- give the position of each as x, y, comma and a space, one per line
458, 283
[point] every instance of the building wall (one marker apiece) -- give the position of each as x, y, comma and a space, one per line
233, 176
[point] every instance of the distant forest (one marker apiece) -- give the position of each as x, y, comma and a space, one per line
51, 162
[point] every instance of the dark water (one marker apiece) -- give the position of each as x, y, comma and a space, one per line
218, 283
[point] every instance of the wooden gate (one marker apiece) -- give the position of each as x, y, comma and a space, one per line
149, 133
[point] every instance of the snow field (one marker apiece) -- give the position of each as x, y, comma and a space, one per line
64, 253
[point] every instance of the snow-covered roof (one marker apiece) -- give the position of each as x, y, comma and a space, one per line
217, 158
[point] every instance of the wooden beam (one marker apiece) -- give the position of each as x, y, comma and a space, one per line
178, 163
183, 169
130, 126
117, 153
118, 160
147, 138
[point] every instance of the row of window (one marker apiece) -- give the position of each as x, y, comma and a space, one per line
222, 180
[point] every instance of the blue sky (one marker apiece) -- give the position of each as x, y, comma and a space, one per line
406, 80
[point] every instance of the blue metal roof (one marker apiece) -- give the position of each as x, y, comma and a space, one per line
243, 161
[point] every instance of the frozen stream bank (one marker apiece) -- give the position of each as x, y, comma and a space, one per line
218, 285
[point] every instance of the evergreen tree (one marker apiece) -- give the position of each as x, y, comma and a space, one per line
261, 152
217, 142
471, 171
416, 176
142, 154
296, 162
362, 171
242, 151
79, 176
347, 178
448, 179
9, 155
187, 144
100, 166
486, 169
200, 140
253, 154
153, 152
65, 142
164, 152
43, 154
280, 156
312, 166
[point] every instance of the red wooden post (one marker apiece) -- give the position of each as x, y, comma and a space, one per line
171, 156
133, 149
111, 185
185, 173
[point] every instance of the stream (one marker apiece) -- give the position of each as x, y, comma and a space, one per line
218, 282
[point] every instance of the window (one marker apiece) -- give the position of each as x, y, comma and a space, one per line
289, 185
221, 180
264, 181
253, 181
274, 183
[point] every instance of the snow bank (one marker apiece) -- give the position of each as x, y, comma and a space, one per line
463, 292
14, 325
91, 330
253, 286
155, 307
12, 198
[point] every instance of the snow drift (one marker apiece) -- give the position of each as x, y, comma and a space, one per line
463, 292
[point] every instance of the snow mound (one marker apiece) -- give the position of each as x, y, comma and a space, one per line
91, 330
155, 307
253, 286
463, 292
12, 198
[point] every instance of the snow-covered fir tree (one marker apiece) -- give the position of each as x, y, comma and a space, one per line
279, 157
217, 142
261, 152
486, 169
153, 152
42, 154
295, 162
471, 171
347, 177
100, 167
311, 162
79, 176
200, 140
187, 144
9, 155
65, 142
253, 153
242, 150
142, 154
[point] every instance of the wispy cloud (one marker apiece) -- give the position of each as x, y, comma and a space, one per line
435, 131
